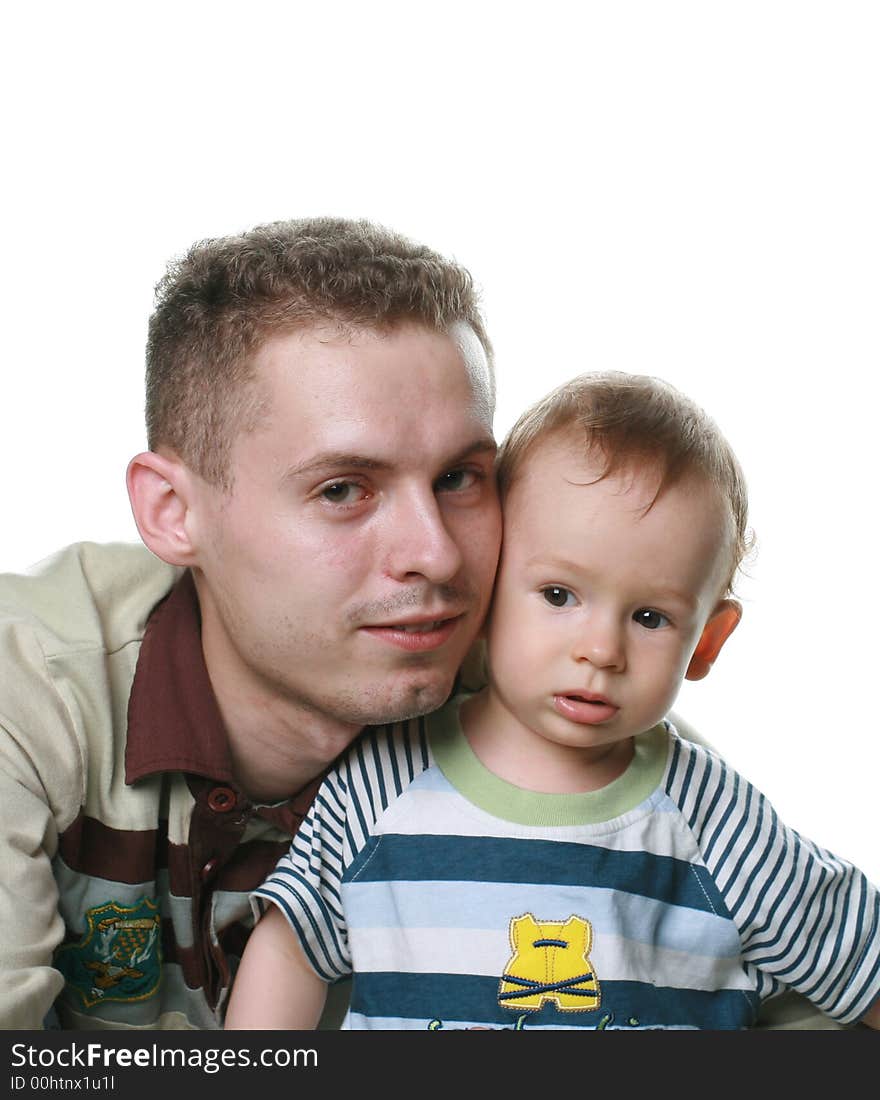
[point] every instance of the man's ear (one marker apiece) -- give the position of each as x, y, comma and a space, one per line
722, 623
159, 489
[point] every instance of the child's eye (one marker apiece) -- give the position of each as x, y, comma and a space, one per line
650, 619
557, 596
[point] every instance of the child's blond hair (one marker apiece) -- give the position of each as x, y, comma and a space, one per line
635, 421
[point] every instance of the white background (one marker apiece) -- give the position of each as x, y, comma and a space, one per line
683, 189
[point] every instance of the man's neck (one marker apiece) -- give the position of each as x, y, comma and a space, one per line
278, 747
277, 744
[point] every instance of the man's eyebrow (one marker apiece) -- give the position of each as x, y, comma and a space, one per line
483, 445
336, 460
347, 460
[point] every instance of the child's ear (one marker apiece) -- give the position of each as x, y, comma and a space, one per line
722, 623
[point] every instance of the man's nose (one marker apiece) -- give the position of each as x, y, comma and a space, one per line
600, 640
420, 543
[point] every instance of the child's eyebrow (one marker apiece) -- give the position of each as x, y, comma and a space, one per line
555, 563
671, 595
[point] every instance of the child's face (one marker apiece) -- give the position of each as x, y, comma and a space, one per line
599, 606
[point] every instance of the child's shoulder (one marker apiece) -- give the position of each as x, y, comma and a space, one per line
384, 758
687, 743
698, 775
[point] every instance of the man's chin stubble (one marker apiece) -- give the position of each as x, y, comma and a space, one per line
378, 712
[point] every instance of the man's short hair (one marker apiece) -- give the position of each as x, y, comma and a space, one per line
220, 302
636, 422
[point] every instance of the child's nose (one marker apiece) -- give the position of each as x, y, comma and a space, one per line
601, 642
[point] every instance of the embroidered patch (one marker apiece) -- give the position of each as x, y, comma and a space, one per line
549, 963
120, 956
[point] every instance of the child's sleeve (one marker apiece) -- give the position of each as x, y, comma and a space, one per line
307, 883
806, 919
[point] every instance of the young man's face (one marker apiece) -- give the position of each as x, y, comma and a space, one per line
599, 605
348, 570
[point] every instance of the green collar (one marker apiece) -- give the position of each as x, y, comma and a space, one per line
472, 779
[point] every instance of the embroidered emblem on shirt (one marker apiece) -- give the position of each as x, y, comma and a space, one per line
550, 962
119, 958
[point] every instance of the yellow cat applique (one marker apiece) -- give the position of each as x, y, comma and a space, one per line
549, 963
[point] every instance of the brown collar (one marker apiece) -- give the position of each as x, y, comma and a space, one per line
174, 722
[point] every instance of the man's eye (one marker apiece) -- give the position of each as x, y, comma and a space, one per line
557, 596
344, 492
456, 481
650, 619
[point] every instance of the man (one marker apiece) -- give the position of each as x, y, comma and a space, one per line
319, 497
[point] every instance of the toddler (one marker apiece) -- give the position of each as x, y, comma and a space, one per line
549, 852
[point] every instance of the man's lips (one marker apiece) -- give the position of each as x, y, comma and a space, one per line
584, 707
416, 634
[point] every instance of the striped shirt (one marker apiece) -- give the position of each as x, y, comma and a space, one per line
673, 898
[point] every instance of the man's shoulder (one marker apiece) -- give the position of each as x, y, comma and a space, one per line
86, 594
70, 634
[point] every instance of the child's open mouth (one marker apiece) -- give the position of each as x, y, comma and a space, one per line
584, 708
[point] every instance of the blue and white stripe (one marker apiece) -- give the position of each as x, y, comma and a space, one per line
701, 901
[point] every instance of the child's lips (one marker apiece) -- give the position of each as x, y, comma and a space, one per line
585, 708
